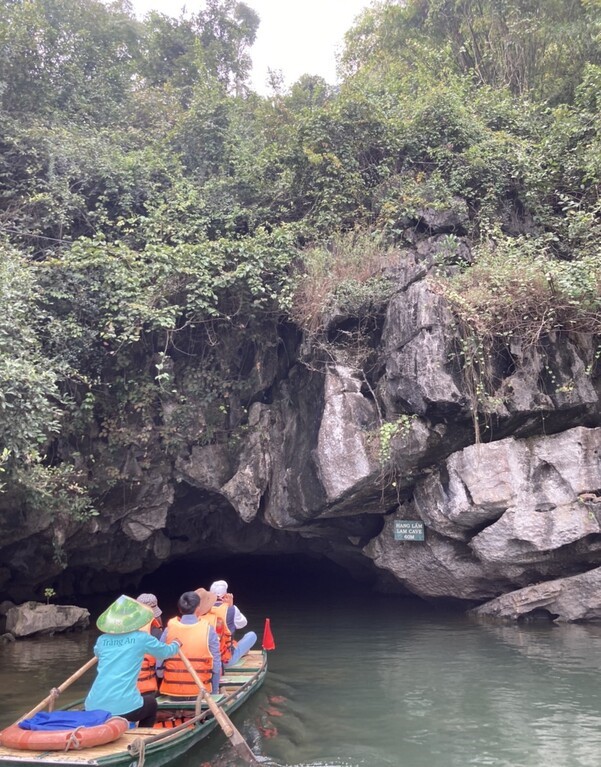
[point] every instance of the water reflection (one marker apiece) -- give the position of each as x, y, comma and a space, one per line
30, 668
386, 684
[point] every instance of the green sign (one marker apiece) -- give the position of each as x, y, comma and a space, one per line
408, 530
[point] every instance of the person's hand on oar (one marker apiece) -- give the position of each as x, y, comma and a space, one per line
222, 718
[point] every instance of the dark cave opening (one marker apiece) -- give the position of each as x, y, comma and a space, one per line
253, 578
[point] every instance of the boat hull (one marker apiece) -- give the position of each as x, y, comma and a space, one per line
148, 747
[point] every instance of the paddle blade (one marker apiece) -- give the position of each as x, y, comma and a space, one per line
268, 641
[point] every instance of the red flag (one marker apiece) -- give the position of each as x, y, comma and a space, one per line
268, 643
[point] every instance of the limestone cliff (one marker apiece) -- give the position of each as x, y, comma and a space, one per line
335, 446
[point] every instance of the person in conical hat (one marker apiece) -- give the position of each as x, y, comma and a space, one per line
123, 615
120, 651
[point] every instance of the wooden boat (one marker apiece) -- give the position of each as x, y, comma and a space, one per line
188, 723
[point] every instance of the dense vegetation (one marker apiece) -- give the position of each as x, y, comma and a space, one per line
151, 204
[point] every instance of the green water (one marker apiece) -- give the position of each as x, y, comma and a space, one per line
385, 683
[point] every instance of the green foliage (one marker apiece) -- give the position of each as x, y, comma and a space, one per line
169, 55
227, 28
527, 47
517, 291
32, 404
516, 296
388, 430
49, 593
163, 220
60, 183
65, 55
345, 276
29, 396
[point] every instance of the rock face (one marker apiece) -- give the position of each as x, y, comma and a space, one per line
333, 442
501, 515
565, 599
33, 618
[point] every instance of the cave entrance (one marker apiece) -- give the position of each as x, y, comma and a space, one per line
255, 580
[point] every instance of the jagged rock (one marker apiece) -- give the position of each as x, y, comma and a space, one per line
412, 265
500, 515
416, 346
555, 379
439, 219
149, 513
577, 598
477, 487
36, 618
507, 512
436, 568
207, 466
443, 249
5, 606
544, 517
246, 488
341, 456
527, 536
480, 484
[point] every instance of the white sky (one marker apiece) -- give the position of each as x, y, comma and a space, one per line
295, 36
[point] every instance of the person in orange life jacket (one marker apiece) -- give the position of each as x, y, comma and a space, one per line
156, 627
234, 620
120, 651
217, 617
147, 679
200, 644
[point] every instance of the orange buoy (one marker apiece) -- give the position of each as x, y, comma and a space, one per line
63, 740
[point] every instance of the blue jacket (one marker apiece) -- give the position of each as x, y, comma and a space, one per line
119, 659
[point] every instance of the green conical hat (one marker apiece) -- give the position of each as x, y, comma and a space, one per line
125, 614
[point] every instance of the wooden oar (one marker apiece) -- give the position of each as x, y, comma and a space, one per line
53, 694
222, 718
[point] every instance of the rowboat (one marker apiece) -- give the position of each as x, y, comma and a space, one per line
180, 726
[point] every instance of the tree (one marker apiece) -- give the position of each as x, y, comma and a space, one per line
169, 53
227, 29
66, 56
537, 47
29, 395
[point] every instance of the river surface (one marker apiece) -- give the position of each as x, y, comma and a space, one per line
383, 682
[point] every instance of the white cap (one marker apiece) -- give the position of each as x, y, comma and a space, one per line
219, 588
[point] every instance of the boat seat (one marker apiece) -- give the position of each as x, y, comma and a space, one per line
168, 703
235, 679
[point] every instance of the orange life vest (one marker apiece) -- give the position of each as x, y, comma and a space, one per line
156, 628
217, 617
147, 678
177, 681
169, 724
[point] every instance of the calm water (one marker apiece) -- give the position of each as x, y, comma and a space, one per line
385, 683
